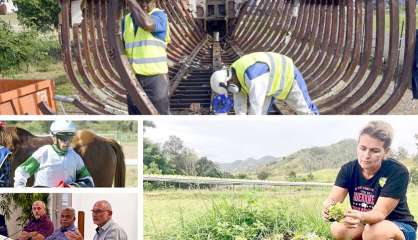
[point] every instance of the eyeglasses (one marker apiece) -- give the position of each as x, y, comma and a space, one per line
98, 211
64, 137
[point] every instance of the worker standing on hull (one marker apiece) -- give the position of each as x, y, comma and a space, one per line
261, 78
146, 34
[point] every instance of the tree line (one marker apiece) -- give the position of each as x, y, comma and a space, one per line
174, 158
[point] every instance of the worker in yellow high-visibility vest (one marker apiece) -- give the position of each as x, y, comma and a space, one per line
146, 34
261, 78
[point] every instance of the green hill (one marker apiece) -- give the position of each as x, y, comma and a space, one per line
313, 159
319, 164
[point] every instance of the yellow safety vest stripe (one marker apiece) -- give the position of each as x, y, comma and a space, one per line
146, 53
281, 72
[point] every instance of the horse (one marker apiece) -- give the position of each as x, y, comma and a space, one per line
103, 157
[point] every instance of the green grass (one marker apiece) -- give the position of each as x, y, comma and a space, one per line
172, 214
169, 213
56, 72
323, 176
53, 71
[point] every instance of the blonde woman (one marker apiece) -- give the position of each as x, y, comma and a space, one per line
377, 191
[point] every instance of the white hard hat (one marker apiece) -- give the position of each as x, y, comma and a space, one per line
218, 81
62, 126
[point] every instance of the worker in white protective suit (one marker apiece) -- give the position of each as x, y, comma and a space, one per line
56, 165
260, 79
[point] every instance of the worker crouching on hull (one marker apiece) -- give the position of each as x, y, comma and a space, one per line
261, 78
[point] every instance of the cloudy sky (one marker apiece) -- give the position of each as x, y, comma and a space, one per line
226, 139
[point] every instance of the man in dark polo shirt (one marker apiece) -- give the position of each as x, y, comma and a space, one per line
40, 227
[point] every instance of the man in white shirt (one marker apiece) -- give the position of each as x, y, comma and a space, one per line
56, 165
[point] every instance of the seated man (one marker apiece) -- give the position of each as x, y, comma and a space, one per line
40, 227
67, 224
55, 165
107, 229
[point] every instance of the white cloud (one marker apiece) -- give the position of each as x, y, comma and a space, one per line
225, 139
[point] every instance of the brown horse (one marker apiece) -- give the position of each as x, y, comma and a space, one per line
103, 157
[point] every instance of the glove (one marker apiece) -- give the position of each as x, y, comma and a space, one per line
222, 103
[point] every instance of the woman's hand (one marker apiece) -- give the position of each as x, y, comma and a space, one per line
325, 206
353, 218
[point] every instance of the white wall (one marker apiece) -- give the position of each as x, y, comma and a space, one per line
124, 206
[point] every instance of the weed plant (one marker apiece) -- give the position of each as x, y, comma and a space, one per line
242, 216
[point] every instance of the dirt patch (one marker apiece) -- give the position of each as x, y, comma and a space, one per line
407, 105
130, 150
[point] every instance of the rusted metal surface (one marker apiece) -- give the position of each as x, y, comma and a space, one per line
347, 50
349, 58
103, 76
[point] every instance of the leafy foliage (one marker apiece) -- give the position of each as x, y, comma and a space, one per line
174, 158
413, 174
155, 162
263, 174
41, 15
19, 50
241, 176
336, 212
228, 221
23, 201
207, 168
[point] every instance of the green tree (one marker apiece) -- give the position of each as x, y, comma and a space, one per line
291, 176
152, 168
41, 15
310, 177
19, 50
207, 168
35, 127
175, 152
263, 175
401, 154
173, 147
185, 163
413, 174
241, 176
155, 162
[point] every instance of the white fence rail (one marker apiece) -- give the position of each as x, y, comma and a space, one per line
224, 181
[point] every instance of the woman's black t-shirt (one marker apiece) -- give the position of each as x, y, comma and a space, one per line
390, 181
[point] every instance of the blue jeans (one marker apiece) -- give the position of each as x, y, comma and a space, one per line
408, 231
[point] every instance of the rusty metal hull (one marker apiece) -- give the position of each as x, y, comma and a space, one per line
355, 55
